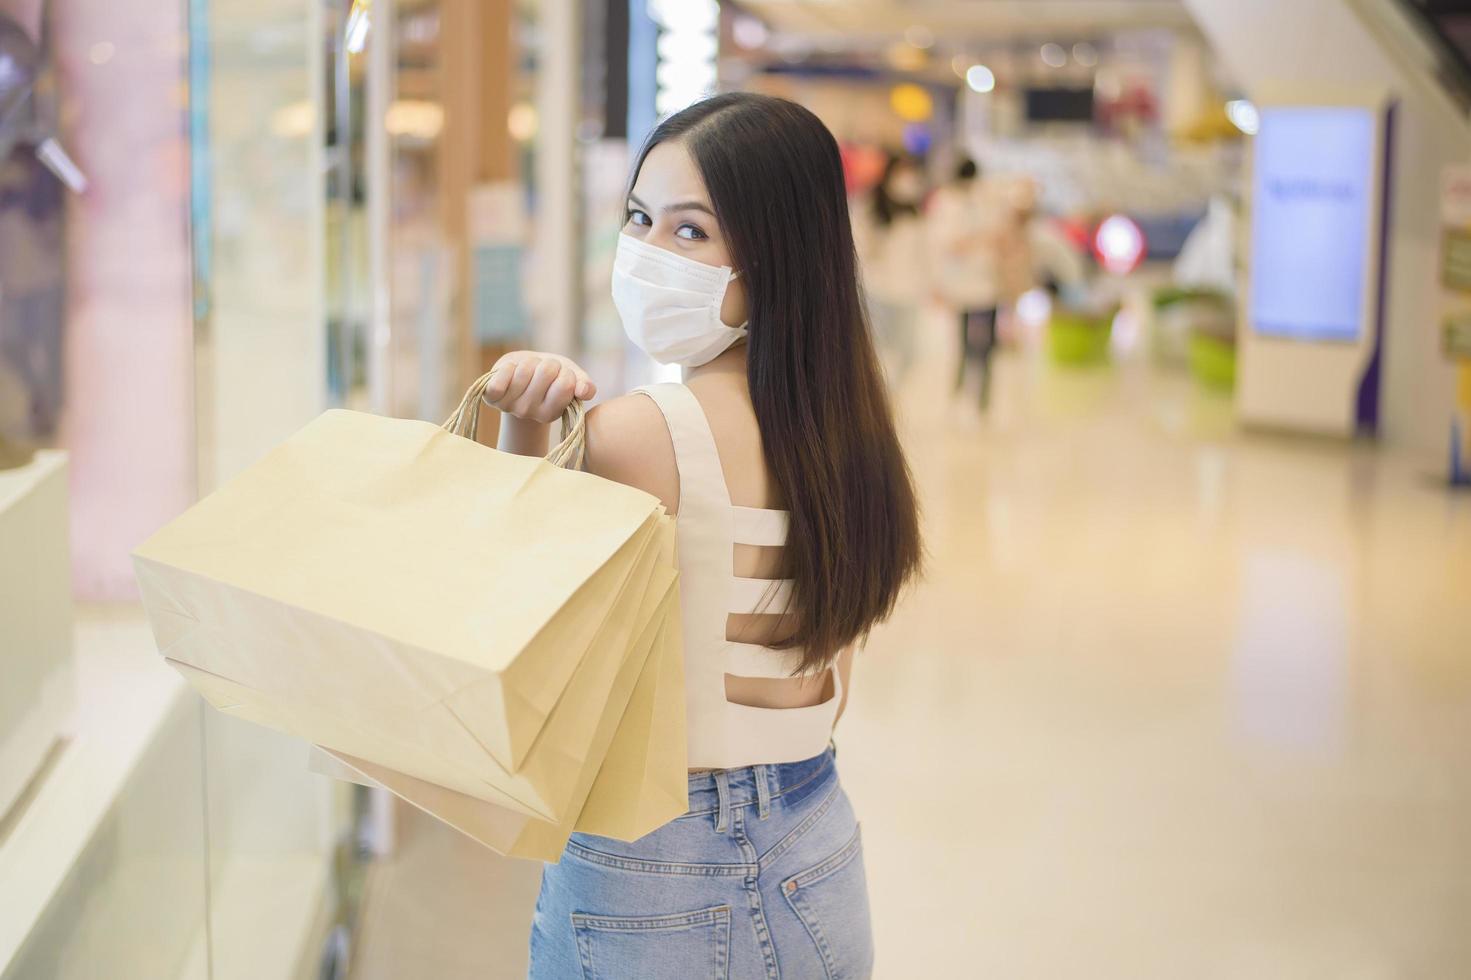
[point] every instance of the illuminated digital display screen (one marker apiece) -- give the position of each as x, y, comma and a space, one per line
1313, 198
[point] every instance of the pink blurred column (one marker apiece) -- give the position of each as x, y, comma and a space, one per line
129, 347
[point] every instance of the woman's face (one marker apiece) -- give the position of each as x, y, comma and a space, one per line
670, 209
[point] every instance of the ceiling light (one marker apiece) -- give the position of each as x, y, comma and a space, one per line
1244, 116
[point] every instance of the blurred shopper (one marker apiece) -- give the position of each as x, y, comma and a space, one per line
1016, 207
889, 233
1059, 265
736, 263
969, 222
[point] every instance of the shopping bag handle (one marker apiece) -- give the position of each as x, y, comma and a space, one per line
569, 454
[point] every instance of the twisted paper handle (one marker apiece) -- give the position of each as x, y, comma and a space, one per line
569, 454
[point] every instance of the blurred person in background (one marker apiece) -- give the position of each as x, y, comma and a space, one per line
780, 459
1016, 203
1059, 265
889, 233
969, 222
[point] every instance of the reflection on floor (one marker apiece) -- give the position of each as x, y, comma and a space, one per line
1171, 702
444, 907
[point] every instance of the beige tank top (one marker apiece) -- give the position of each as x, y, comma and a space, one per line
723, 735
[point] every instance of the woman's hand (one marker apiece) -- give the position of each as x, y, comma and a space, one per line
536, 387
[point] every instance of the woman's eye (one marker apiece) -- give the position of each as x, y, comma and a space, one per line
637, 217
690, 233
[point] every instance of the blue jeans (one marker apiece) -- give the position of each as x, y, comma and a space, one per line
762, 878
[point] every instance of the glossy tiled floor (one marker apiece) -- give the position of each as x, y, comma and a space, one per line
1172, 702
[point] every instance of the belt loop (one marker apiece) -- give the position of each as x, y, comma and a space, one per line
763, 791
722, 805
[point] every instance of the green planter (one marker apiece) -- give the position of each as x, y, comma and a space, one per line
1077, 340
1181, 313
1213, 362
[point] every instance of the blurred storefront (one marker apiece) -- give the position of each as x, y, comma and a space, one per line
247, 250
278, 208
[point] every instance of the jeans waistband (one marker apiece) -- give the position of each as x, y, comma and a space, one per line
723, 790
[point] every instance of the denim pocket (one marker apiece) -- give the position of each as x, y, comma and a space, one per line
686, 946
831, 899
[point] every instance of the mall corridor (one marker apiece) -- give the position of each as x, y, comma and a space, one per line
1171, 701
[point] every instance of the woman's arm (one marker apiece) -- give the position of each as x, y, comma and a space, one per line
532, 389
524, 437
628, 442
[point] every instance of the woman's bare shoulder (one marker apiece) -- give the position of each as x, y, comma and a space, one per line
628, 442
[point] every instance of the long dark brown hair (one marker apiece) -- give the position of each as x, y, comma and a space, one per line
775, 179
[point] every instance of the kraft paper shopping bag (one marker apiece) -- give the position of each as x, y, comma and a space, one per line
653, 674
447, 755
490, 636
389, 567
643, 782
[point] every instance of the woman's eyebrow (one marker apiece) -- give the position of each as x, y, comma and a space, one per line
676, 206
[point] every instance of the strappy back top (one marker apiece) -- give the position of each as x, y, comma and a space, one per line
722, 734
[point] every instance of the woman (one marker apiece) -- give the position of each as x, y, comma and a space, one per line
737, 263
890, 237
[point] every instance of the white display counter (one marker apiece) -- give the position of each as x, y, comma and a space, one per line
110, 868
35, 619
104, 863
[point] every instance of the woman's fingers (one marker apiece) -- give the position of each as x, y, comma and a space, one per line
522, 370
500, 380
532, 400
585, 388
560, 394
536, 386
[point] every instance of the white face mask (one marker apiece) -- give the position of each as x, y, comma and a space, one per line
670, 305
